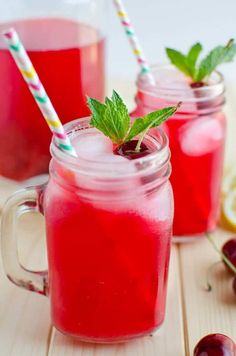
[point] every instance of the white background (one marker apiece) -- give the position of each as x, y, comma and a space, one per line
172, 23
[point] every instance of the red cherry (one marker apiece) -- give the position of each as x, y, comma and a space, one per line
128, 150
229, 250
197, 85
215, 345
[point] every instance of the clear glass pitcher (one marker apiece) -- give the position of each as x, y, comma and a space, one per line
65, 41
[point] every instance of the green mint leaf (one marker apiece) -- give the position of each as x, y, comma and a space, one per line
153, 120
122, 113
194, 53
209, 63
179, 60
156, 118
112, 118
198, 72
98, 111
192, 58
216, 57
231, 51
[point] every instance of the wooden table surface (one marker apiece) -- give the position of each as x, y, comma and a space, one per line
192, 312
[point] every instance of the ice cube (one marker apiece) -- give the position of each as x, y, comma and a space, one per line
174, 80
201, 136
177, 86
157, 205
168, 78
91, 144
117, 164
117, 169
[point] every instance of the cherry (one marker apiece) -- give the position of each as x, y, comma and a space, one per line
229, 250
128, 150
215, 345
197, 85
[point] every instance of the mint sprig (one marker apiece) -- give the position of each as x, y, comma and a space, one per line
112, 118
197, 70
143, 125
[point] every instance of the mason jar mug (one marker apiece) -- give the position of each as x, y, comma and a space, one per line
108, 228
197, 139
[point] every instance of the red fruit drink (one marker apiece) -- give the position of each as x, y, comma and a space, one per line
197, 176
69, 58
197, 137
108, 224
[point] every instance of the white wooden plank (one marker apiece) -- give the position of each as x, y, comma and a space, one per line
207, 312
168, 341
24, 316
7, 187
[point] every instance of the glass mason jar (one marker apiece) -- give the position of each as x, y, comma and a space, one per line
108, 227
65, 41
197, 139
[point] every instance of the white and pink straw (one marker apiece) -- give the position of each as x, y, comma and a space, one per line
133, 39
28, 72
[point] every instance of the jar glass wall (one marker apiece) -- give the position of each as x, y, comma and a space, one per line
197, 138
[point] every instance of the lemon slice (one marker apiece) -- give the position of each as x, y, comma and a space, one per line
229, 210
229, 182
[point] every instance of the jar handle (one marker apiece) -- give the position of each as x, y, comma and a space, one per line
22, 202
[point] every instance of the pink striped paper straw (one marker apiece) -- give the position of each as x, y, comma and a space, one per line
133, 39
28, 72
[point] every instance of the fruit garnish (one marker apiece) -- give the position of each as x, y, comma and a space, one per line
229, 250
228, 218
226, 260
127, 149
228, 255
215, 345
200, 70
112, 118
229, 182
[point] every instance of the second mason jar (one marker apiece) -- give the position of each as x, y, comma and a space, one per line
197, 138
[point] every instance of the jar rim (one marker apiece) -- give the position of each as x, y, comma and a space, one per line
155, 160
214, 88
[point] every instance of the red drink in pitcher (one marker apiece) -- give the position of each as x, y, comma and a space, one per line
65, 54
197, 137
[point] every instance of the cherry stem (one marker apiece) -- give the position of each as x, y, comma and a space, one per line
224, 258
208, 282
143, 134
230, 43
138, 147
